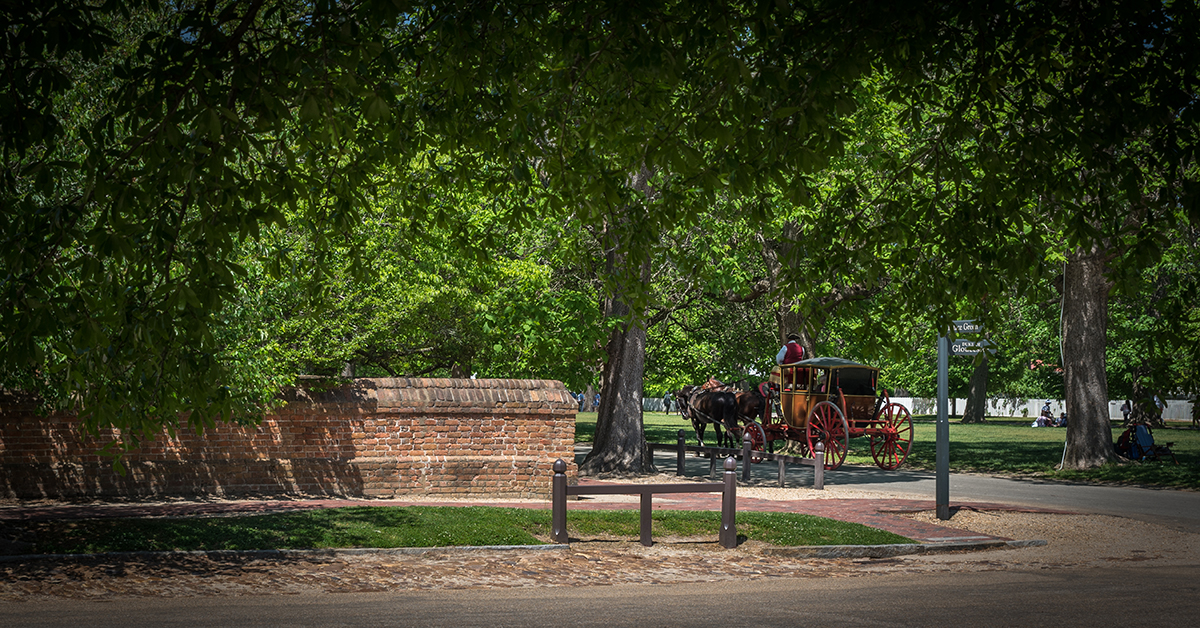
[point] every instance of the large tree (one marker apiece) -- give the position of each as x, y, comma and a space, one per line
1048, 134
635, 119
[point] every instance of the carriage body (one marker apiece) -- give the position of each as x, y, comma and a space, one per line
850, 385
831, 400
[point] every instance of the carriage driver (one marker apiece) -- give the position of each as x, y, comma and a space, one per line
791, 352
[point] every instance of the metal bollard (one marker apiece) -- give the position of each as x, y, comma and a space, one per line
728, 535
681, 454
819, 467
558, 516
746, 456
646, 520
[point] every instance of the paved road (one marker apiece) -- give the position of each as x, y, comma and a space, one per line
1178, 509
1128, 596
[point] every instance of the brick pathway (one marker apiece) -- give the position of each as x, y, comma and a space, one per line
876, 513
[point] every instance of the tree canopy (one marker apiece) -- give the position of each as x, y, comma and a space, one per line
175, 173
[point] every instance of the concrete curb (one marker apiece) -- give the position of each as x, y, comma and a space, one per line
899, 549
287, 553
809, 551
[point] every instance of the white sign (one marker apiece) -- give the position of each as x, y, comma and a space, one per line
968, 327
971, 347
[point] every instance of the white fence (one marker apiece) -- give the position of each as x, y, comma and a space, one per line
655, 404
1177, 409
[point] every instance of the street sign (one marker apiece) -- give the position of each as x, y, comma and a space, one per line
972, 347
968, 327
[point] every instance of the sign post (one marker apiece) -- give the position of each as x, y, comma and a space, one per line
945, 350
943, 430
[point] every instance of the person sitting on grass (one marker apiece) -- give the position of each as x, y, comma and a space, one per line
1046, 418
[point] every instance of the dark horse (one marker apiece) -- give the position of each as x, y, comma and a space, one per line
702, 407
752, 404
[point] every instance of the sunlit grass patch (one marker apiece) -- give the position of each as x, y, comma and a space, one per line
421, 526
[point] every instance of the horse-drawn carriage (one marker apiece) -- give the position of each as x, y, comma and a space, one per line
826, 400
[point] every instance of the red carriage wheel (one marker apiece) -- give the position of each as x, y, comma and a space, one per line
827, 424
892, 436
758, 439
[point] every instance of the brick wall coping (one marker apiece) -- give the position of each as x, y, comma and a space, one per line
479, 395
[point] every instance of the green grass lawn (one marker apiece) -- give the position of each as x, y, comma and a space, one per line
1002, 446
1010, 447
659, 427
384, 527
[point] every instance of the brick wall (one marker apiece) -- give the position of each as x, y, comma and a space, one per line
371, 438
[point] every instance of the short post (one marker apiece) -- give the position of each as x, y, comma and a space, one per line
680, 454
729, 506
558, 516
782, 470
712, 465
746, 456
646, 520
819, 467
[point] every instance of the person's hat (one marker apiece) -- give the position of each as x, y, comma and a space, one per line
793, 336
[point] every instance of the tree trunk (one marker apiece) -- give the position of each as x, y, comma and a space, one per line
620, 443
790, 321
589, 400
976, 410
1084, 334
1144, 410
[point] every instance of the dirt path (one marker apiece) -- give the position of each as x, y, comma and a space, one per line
1075, 541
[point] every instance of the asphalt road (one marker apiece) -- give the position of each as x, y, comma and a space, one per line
1178, 509
1126, 596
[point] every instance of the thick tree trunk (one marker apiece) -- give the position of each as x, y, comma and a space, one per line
976, 410
1084, 334
787, 319
790, 321
620, 444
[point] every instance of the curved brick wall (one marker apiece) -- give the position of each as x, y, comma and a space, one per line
371, 438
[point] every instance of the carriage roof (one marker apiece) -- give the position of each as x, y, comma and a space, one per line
832, 363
